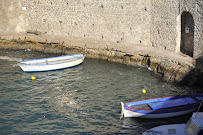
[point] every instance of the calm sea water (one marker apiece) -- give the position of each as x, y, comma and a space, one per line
80, 100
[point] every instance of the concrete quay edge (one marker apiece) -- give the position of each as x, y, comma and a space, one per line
170, 66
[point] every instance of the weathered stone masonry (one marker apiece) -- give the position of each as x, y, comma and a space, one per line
170, 70
148, 22
162, 24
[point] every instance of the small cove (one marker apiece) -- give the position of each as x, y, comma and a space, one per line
80, 100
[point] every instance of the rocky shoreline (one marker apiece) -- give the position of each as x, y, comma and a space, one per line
179, 69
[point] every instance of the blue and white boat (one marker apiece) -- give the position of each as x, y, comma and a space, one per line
193, 127
162, 107
52, 63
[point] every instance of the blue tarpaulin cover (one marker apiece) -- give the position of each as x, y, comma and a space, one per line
199, 98
171, 103
158, 105
189, 100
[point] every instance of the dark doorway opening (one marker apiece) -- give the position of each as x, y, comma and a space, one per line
187, 34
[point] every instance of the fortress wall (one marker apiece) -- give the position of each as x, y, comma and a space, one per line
196, 9
147, 22
164, 23
11, 17
113, 20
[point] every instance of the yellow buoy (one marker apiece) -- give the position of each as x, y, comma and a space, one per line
144, 91
33, 78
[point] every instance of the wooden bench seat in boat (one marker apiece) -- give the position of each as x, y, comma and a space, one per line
142, 107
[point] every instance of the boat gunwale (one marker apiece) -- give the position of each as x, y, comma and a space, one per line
52, 63
171, 108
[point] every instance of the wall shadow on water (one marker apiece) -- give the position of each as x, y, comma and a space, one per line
195, 76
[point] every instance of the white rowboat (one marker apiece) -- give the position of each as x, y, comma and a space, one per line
52, 63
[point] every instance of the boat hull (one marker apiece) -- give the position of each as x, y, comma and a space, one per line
49, 64
153, 116
129, 111
194, 126
177, 129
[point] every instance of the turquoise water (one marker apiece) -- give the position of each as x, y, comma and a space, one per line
80, 100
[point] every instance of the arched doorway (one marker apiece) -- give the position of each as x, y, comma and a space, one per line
187, 34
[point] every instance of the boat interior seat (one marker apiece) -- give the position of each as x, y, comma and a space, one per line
171, 103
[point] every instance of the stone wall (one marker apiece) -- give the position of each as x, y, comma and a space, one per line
171, 69
117, 21
11, 16
164, 23
147, 22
